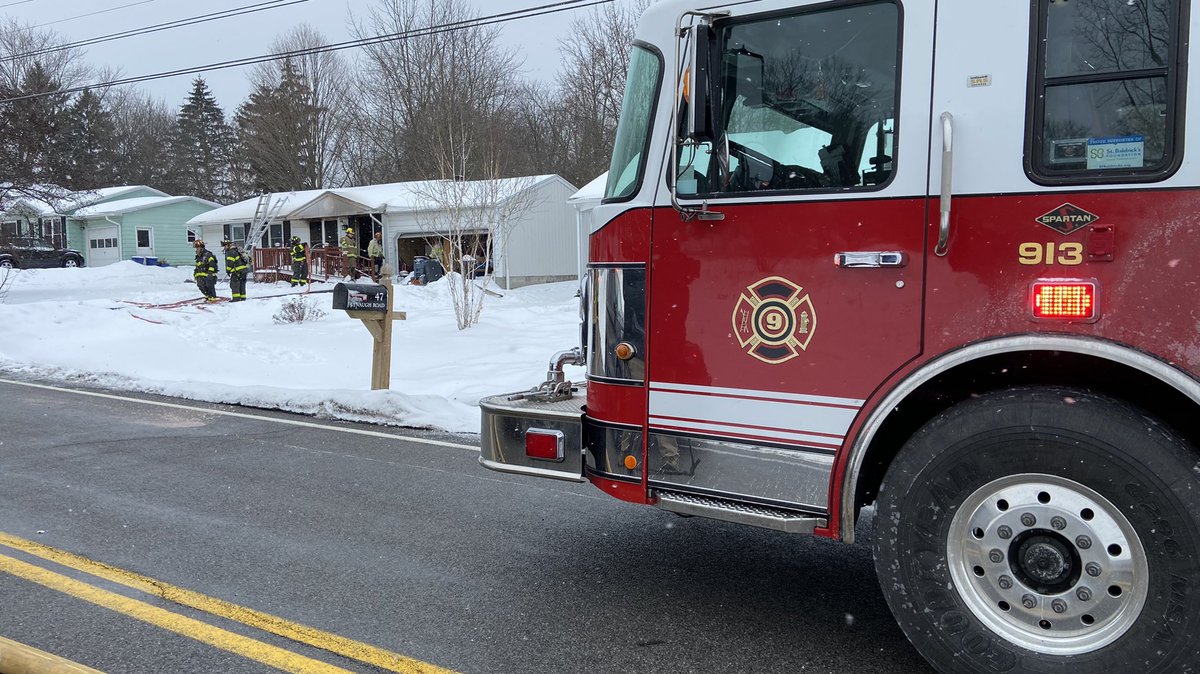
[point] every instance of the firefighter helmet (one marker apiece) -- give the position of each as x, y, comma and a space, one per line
295, 239
226, 242
199, 243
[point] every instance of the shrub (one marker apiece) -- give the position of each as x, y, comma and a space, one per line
298, 310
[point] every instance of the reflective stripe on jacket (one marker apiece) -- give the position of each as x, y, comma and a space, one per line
349, 247
234, 263
206, 263
298, 252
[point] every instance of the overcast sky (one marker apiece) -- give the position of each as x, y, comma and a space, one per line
243, 36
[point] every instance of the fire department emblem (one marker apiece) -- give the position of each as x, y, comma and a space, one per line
774, 320
1067, 218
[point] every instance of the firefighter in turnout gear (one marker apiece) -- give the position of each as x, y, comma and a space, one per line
299, 262
235, 264
206, 271
349, 248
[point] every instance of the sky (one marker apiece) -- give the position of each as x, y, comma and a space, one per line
244, 36
92, 325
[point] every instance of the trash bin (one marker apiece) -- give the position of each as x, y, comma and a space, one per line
433, 270
418, 270
148, 261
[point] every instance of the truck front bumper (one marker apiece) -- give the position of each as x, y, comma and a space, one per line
507, 427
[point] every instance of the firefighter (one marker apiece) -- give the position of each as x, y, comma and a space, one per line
350, 253
206, 271
236, 265
375, 252
299, 262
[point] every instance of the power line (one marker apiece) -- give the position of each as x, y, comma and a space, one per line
503, 17
13, 4
178, 23
102, 11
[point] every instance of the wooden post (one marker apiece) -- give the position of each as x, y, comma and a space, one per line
380, 326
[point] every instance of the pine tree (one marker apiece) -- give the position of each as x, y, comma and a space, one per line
86, 158
30, 128
274, 130
202, 145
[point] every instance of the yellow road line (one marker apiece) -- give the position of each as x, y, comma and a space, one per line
267, 654
266, 622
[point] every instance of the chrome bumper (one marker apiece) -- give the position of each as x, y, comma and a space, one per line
506, 420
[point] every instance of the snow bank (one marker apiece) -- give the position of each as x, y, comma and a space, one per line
83, 325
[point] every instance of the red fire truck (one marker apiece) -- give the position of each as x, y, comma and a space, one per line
935, 258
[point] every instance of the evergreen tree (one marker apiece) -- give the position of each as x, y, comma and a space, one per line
30, 128
274, 130
86, 158
202, 146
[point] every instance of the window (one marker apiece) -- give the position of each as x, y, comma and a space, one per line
143, 237
633, 130
192, 236
806, 102
1104, 99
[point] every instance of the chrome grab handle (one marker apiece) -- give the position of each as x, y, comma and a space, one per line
943, 243
874, 258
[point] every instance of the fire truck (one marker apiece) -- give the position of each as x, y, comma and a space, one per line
938, 259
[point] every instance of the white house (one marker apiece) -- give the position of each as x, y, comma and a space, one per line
539, 246
584, 201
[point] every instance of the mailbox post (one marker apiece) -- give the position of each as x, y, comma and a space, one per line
372, 304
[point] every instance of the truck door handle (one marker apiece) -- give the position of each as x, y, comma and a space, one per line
873, 258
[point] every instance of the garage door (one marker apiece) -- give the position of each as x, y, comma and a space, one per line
103, 247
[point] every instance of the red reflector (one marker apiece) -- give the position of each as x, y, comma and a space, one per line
1064, 299
541, 443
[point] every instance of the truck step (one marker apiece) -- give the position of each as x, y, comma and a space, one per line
742, 513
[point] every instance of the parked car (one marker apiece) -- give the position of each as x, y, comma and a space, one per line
24, 252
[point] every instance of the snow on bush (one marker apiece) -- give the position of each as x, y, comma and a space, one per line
298, 310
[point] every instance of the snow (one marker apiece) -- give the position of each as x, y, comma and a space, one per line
136, 204
78, 325
387, 198
590, 194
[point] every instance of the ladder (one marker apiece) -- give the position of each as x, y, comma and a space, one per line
264, 212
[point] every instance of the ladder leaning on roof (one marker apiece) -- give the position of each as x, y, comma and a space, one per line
264, 212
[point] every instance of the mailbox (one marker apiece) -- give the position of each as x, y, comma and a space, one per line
360, 297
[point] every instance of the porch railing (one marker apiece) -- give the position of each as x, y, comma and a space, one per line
275, 264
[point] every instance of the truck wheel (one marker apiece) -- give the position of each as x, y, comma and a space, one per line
1044, 530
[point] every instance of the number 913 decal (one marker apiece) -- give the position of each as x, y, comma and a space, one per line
1068, 253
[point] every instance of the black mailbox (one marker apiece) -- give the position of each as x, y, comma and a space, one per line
360, 297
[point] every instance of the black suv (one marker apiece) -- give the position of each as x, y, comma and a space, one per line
24, 252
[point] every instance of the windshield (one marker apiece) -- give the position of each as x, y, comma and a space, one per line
633, 131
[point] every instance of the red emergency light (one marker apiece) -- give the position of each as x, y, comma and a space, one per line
1065, 299
544, 444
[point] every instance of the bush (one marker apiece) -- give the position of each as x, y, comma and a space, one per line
298, 310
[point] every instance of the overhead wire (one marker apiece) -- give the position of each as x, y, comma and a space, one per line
102, 11
13, 4
502, 17
168, 25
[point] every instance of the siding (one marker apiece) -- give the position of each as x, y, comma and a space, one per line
170, 231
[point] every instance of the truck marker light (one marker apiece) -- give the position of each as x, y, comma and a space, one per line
624, 351
631, 462
1064, 299
544, 444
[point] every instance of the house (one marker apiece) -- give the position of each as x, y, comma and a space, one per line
584, 202
109, 224
526, 222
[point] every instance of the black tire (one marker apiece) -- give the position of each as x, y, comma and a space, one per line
72, 261
7, 263
941, 507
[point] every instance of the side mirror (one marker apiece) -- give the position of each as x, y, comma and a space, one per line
702, 73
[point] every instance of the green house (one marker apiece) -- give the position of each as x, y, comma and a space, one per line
135, 223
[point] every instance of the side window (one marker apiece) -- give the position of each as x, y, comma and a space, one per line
806, 102
1105, 91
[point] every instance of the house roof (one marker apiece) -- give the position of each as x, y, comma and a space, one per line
386, 198
591, 193
70, 201
123, 206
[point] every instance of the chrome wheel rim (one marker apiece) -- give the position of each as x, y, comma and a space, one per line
71, 263
1048, 564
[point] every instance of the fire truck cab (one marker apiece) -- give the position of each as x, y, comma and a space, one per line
932, 257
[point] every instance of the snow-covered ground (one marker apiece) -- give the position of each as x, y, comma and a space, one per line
79, 325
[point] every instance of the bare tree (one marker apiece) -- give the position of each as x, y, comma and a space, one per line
142, 126
472, 220
595, 56
430, 101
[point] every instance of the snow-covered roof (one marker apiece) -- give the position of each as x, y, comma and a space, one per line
70, 201
123, 206
591, 193
385, 198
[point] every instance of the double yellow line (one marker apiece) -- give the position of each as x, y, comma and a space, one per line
253, 649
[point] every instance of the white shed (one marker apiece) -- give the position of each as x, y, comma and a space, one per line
585, 200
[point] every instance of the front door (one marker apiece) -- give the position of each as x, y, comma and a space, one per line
770, 327
145, 242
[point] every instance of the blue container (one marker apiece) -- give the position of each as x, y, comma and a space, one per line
148, 261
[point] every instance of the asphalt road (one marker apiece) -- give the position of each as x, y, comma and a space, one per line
393, 542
